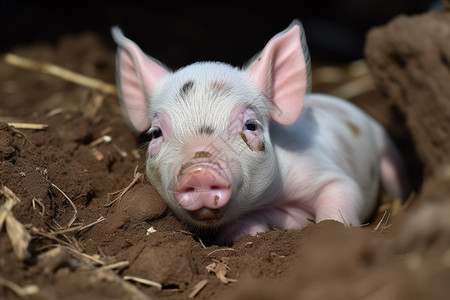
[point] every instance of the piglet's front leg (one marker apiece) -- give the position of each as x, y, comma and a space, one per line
287, 216
339, 200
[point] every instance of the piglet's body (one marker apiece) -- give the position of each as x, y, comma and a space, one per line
238, 150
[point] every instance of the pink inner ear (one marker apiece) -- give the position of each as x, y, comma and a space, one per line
281, 71
138, 76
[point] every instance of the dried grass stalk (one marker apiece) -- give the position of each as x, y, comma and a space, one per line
48, 68
122, 192
117, 265
19, 237
28, 126
135, 292
11, 200
220, 268
75, 213
198, 287
143, 281
20, 291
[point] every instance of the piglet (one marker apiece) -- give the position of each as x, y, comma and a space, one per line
238, 150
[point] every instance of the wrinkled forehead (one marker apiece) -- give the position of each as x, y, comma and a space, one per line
204, 95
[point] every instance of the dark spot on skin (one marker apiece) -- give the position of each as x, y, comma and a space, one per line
186, 88
198, 155
216, 199
220, 88
353, 128
245, 140
219, 85
261, 146
184, 167
208, 130
201, 154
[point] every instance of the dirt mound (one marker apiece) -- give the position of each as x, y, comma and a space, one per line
412, 75
98, 230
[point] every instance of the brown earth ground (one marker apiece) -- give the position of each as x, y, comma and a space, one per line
64, 176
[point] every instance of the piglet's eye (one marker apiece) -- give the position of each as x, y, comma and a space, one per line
155, 132
251, 125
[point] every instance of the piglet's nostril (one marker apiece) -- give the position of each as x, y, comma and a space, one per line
202, 186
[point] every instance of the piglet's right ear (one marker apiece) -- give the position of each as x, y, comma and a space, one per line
282, 72
137, 76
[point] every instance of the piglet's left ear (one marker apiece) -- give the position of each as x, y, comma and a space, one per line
282, 72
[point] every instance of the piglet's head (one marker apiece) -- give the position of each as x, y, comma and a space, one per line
210, 155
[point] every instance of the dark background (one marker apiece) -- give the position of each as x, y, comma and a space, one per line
178, 33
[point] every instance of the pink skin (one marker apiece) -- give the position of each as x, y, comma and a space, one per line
204, 187
239, 116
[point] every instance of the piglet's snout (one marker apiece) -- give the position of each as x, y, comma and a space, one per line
203, 189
